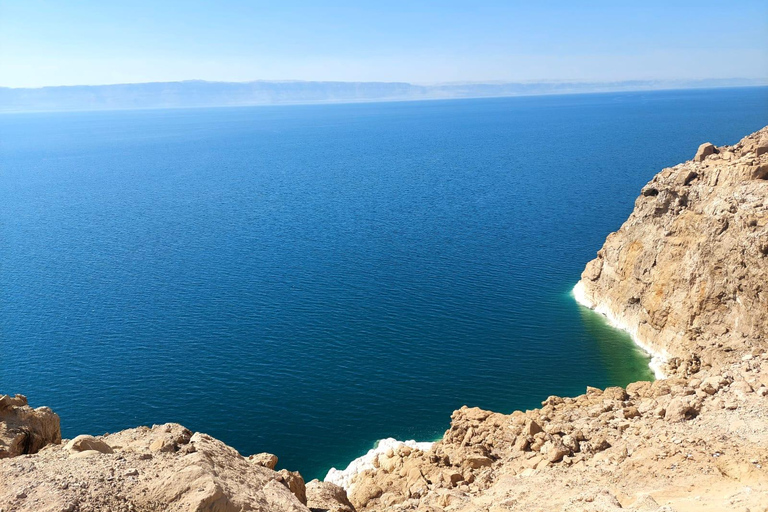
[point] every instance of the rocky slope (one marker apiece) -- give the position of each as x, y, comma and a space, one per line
685, 274
162, 468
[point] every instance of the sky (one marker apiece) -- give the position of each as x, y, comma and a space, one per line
73, 42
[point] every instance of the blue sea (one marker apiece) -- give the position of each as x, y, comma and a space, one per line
305, 280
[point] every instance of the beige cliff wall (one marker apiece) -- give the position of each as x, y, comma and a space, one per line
687, 273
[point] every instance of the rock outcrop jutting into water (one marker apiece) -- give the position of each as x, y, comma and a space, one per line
686, 275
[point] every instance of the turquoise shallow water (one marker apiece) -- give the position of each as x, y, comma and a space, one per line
306, 280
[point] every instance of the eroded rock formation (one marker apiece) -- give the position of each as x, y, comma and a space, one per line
165, 467
687, 273
25, 430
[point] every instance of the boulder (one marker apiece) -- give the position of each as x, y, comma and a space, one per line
325, 496
364, 491
24, 430
704, 151
557, 450
761, 147
476, 461
294, 482
85, 443
266, 460
681, 409
532, 428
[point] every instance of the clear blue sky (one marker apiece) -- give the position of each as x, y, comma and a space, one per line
97, 42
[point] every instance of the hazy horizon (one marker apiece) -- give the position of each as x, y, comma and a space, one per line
201, 94
425, 43
742, 81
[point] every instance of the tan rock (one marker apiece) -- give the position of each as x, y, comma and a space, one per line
557, 451
266, 460
24, 430
364, 491
211, 478
295, 483
704, 151
685, 271
86, 443
761, 147
322, 496
477, 461
532, 428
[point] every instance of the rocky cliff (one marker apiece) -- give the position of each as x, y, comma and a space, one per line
686, 275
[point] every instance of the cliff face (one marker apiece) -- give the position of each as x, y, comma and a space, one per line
687, 273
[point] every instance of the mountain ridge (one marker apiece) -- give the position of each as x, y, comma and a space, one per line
202, 93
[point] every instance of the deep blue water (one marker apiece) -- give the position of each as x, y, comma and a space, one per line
305, 280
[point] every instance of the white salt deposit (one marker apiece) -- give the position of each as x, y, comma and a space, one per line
657, 358
345, 477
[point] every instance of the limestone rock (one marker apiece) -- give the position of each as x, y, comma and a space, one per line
84, 443
680, 409
295, 483
686, 272
325, 496
202, 474
24, 430
704, 151
266, 460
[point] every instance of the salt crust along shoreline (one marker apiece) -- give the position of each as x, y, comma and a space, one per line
343, 478
658, 358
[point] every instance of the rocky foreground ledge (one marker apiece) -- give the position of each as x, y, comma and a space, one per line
686, 275
162, 468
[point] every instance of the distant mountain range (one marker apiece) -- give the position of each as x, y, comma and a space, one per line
198, 93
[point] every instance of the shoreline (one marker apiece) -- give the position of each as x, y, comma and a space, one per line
658, 358
344, 477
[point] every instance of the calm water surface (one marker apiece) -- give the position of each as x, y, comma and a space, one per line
305, 280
